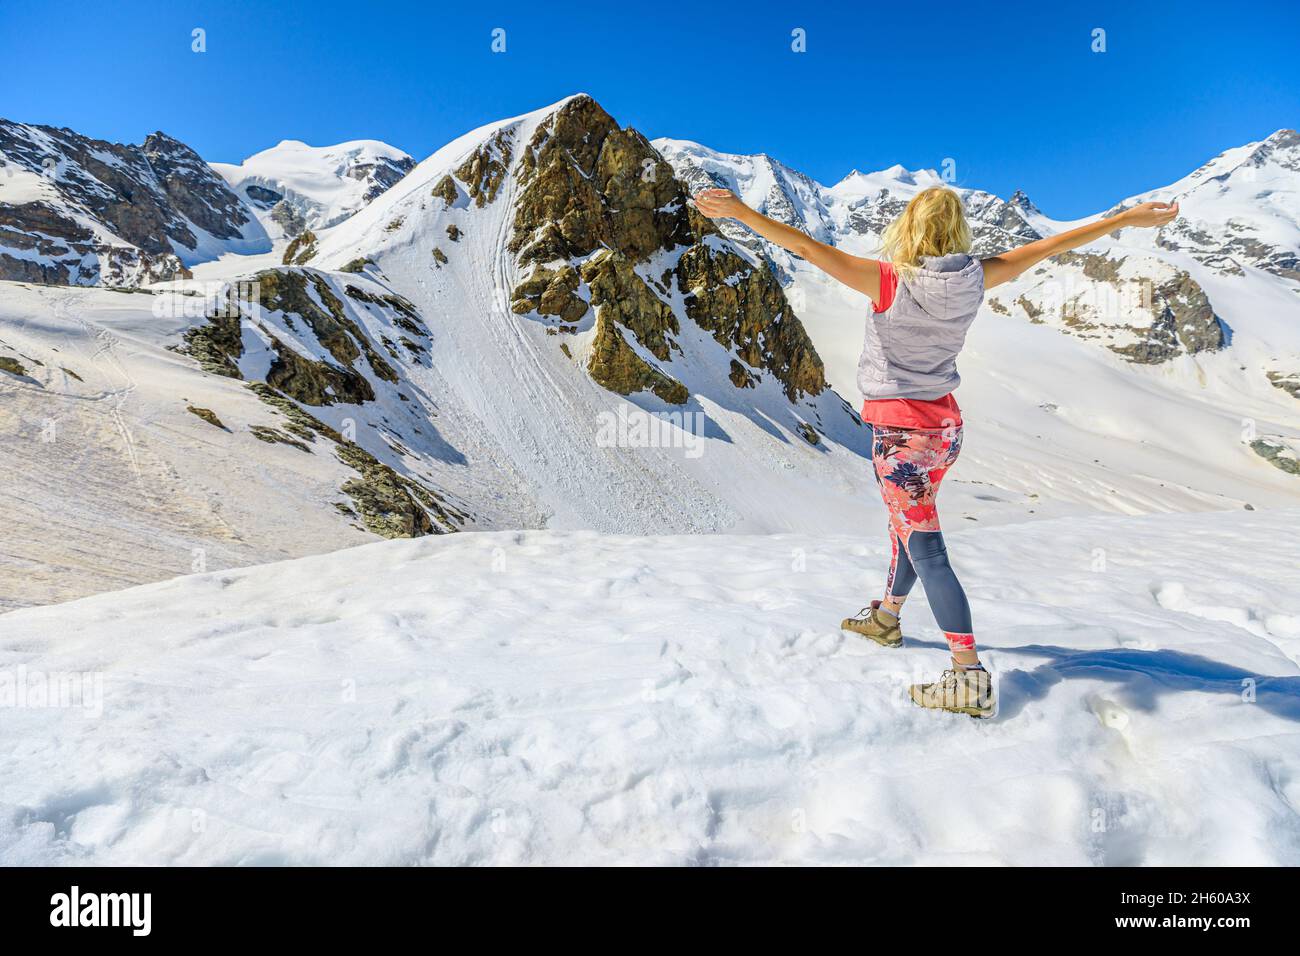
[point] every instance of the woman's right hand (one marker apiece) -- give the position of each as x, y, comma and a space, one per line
719, 204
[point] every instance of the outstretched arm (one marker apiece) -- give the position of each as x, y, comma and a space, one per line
854, 271
1004, 268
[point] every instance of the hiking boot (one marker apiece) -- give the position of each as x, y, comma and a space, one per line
875, 625
961, 692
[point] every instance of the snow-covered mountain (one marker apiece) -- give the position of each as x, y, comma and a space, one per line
530, 329
293, 187
532, 335
80, 211
1213, 299
1173, 316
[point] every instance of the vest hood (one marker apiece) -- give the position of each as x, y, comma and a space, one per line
948, 287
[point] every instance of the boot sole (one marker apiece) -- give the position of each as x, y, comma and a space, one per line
895, 642
973, 712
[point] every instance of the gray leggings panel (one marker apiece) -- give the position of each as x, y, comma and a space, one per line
926, 557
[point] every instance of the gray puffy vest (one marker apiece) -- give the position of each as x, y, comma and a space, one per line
911, 348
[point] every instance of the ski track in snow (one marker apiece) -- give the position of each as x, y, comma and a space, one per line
569, 697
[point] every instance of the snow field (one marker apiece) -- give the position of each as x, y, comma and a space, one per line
567, 697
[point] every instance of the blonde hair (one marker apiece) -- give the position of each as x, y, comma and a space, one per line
933, 224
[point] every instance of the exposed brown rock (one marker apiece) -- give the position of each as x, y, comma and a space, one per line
208, 415
445, 189
622, 296
746, 310
615, 365
485, 170
273, 436
586, 185
301, 250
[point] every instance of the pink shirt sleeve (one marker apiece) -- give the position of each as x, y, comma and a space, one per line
888, 286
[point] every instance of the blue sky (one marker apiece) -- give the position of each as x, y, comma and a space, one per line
1013, 94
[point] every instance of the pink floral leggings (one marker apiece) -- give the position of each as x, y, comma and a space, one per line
910, 463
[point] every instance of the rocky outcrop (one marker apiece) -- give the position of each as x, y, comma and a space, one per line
485, 169
1182, 319
1138, 306
193, 189
586, 184
218, 343
746, 310
289, 219
445, 189
301, 251
615, 365
55, 249
596, 206
1278, 452
389, 504
319, 383
262, 197
623, 296
208, 415
551, 292
381, 175
1289, 383
273, 436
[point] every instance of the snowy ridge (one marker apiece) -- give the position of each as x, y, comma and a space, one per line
319, 186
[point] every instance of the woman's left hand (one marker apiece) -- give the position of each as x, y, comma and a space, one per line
719, 204
1150, 214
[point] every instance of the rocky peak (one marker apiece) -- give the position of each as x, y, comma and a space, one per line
1021, 201
195, 191
150, 197
598, 205
382, 175
1282, 148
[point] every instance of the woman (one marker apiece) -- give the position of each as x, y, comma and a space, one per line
926, 292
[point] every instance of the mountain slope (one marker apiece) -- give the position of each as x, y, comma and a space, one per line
79, 211
545, 697
546, 309
461, 362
